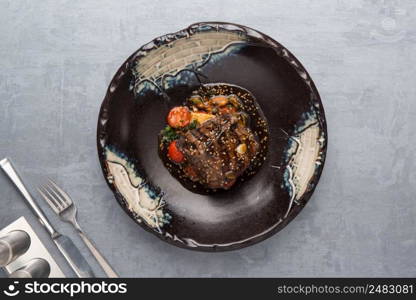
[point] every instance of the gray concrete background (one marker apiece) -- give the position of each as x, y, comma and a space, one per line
58, 57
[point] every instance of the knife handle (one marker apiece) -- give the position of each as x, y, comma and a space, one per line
11, 172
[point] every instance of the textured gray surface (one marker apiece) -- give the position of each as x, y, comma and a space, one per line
57, 58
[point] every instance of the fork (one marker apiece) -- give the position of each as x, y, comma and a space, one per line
64, 207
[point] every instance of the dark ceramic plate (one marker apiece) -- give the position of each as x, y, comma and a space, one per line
159, 76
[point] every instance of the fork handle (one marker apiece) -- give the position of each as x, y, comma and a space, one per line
98, 256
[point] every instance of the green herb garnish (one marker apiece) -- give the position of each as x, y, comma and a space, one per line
192, 125
169, 134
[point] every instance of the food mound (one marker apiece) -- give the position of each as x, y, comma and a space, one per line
208, 140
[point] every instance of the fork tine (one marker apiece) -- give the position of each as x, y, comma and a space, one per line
56, 195
50, 201
52, 196
64, 195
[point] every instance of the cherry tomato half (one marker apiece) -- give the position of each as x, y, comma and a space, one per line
179, 116
174, 153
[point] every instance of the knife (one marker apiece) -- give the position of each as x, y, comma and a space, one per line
64, 243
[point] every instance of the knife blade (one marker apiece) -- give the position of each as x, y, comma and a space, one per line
73, 256
65, 245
